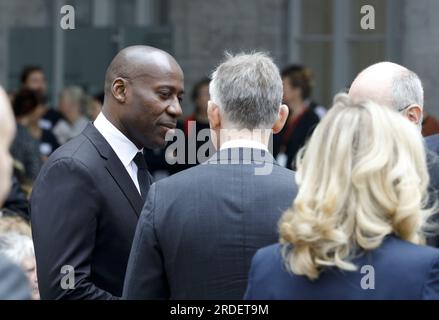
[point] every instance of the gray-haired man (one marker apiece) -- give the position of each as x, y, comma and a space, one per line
200, 228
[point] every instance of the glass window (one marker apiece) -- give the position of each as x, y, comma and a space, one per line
317, 39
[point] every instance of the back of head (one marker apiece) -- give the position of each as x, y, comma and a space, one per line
26, 101
388, 84
362, 176
407, 90
248, 90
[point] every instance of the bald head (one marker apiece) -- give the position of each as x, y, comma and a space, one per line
7, 131
388, 84
143, 90
138, 61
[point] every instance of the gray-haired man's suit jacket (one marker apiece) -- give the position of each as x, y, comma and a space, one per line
200, 228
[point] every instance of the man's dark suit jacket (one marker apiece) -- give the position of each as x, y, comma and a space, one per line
199, 228
13, 282
84, 211
401, 270
433, 143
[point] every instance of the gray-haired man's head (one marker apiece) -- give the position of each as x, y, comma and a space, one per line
392, 85
247, 89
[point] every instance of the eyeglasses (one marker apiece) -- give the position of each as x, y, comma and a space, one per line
406, 107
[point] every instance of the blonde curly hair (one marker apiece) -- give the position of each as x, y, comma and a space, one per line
362, 176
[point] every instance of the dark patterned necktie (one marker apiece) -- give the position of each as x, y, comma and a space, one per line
142, 174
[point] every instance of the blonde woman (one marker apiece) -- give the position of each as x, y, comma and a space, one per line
355, 228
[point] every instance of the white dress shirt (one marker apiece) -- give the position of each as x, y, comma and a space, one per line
121, 145
243, 143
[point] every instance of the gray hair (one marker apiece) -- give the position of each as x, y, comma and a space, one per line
407, 89
248, 89
16, 247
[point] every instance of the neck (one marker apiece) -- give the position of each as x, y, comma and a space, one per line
257, 135
118, 124
297, 107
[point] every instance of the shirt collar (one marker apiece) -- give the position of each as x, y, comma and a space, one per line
124, 148
243, 143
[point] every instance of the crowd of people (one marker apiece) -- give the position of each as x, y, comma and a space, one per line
293, 201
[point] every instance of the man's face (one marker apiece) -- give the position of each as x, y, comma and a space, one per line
36, 81
153, 106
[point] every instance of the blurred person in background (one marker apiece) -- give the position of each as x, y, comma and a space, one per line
33, 78
10, 222
20, 250
198, 120
13, 284
71, 105
94, 105
26, 149
363, 184
433, 143
430, 125
200, 97
32, 145
304, 114
17, 201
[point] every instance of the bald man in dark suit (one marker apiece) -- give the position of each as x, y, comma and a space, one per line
87, 198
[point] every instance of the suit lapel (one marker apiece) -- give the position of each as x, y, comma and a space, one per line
115, 168
124, 181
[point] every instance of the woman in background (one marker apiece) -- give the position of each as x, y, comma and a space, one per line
32, 145
355, 228
71, 105
304, 114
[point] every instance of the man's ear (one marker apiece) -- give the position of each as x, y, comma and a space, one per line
213, 113
281, 118
119, 89
414, 114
